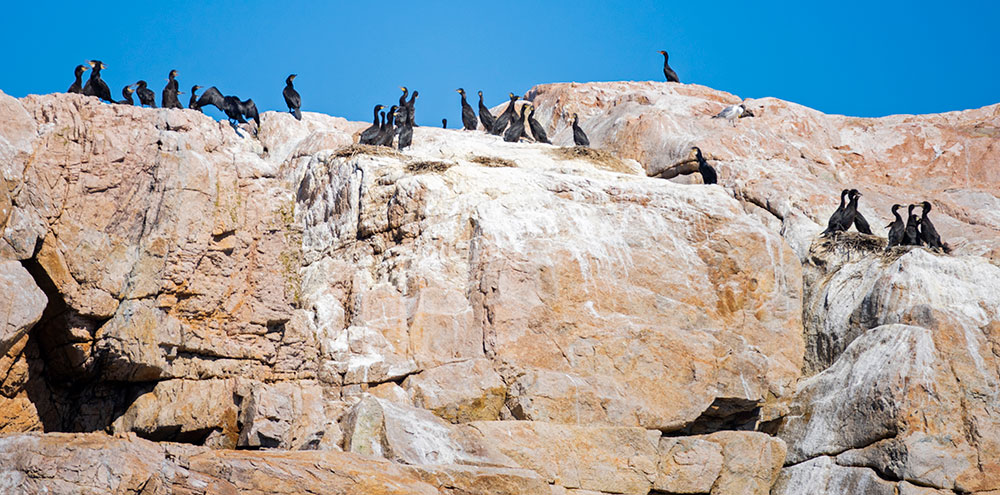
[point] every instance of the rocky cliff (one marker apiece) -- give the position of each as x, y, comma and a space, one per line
192, 310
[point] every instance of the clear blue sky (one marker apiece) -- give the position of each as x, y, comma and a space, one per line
856, 58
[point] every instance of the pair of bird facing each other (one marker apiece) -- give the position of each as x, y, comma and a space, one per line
382, 134
916, 231
847, 215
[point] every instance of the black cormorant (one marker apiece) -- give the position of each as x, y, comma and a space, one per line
468, 114
911, 234
146, 96
400, 113
193, 102
484, 114
928, 234
387, 132
235, 109
95, 85
859, 220
127, 96
667, 71
292, 98
411, 115
516, 128
444, 123
369, 135
708, 175
77, 86
168, 99
895, 229
839, 221
579, 137
500, 123
406, 132
537, 131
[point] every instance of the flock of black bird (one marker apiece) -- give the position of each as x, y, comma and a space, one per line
916, 231
397, 125
237, 110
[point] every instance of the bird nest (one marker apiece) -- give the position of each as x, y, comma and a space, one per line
601, 159
492, 161
428, 166
365, 149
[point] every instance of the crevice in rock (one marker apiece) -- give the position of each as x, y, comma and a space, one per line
724, 414
64, 371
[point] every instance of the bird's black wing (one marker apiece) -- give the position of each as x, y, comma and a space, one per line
249, 109
861, 224
213, 97
292, 98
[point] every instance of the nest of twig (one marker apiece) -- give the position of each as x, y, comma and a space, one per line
365, 149
492, 161
428, 166
603, 160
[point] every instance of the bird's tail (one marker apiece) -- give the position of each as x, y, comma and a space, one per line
297, 113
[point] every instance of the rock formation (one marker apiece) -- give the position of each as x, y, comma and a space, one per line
475, 316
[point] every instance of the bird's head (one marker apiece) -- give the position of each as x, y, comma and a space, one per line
895, 207
926, 206
403, 88
855, 193
664, 53
480, 93
130, 89
416, 94
195, 88
80, 69
141, 83
173, 73
460, 91
379, 107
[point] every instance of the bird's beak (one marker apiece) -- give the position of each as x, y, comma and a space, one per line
180, 92
85, 69
103, 66
403, 88
91, 62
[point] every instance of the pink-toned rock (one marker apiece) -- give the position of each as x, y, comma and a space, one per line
459, 392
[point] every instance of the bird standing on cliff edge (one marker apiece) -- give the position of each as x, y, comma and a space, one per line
146, 96
95, 85
193, 102
839, 221
484, 114
292, 98
537, 131
468, 114
168, 98
369, 135
77, 86
667, 71
859, 220
127, 96
928, 233
579, 137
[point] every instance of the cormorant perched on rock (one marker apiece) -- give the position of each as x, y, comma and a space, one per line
468, 114
708, 175
369, 135
579, 137
386, 133
168, 98
928, 234
911, 234
484, 114
895, 229
537, 131
406, 132
859, 220
127, 96
193, 102
402, 101
500, 123
839, 221
235, 109
444, 123
411, 115
667, 71
95, 85
292, 98
516, 128
146, 96
77, 86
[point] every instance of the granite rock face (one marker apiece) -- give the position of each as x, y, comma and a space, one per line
476, 316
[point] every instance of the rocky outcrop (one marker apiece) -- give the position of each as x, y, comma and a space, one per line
475, 316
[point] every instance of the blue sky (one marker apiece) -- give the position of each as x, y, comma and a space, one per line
853, 58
